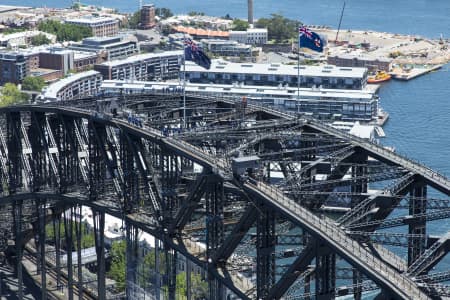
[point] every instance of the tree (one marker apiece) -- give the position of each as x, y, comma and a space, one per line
33, 83
65, 32
239, 25
10, 30
279, 28
163, 12
227, 17
11, 95
40, 39
199, 287
87, 238
195, 13
134, 20
117, 269
76, 6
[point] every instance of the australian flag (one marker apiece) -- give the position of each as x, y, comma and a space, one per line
310, 39
194, 53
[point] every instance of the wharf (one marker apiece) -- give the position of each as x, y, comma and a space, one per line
401, 74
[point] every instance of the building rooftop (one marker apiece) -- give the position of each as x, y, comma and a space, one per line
101, 39
42, 71
53, 89
361, 57
83, 54
100, 43
13, 56
220, 66
363, 131
202, 32
140, 57
243, 90
28, 33
91, 20
55, 50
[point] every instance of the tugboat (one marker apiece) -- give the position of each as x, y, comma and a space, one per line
380, 76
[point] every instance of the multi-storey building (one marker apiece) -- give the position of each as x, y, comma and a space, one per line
331, 104
109, 48
56, 58
13, 67
148, 16
252, 36
330, 77
76, 86
362, 61
83, 60
149, 66
23, 38
227, 48
101, 26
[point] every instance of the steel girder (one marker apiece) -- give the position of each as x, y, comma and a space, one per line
171, 168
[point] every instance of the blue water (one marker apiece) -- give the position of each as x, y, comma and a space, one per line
424, 17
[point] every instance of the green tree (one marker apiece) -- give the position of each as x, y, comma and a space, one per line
11, 95
33, 83
87, 238
14, 30
145, 276
65, 32
134, 20
227, 17
279, 28
195, 13
163, 12
40, 39
117, 269
199, 287
239, 25
76, 6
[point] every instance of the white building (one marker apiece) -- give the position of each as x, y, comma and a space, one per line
23, 38
228, 48
111, 48
253, 36
76, 86
101, 26
329, 77
329, 104
148, 66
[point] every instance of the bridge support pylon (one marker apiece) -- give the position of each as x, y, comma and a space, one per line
417, 205
325, 273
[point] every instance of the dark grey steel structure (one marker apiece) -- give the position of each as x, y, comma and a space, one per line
54, 159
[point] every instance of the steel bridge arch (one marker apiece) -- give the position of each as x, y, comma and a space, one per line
391, 281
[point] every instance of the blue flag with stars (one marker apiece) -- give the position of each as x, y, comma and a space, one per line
193, 53
309, 39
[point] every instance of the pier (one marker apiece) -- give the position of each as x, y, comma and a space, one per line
405, 75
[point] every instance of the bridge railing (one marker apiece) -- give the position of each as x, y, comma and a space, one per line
336, 235
404, 160
407, 162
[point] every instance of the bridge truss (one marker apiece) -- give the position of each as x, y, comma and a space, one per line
242, 193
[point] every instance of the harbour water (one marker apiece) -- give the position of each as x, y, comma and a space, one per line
423, 17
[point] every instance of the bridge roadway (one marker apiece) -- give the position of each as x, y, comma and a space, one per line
396, 284
435, 179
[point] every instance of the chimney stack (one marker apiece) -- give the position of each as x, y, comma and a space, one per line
250, 11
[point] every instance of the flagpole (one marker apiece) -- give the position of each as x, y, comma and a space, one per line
298, 74
184, 82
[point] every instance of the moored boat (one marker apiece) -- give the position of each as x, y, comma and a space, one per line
380, 76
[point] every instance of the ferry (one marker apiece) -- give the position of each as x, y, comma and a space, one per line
380, 76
